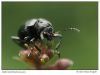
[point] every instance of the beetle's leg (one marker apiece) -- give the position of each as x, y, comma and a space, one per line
58, 53
25, 38
18, 41
15, 37
42, 35
57, 35
31, 45
57, 47
27, 46
32, 40
38, 48
32, 50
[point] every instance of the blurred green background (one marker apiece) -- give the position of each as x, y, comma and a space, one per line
81, 47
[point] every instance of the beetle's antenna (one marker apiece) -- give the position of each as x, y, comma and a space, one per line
72, 28
60, 38
76, 29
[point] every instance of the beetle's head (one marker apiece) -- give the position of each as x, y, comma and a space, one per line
45, 27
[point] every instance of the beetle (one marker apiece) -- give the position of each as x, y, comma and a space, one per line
34, 30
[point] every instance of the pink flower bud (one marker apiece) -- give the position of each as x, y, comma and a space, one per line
61, 64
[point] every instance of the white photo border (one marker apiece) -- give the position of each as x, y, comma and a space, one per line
49, 72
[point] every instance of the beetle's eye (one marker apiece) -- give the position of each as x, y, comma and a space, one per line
50, 29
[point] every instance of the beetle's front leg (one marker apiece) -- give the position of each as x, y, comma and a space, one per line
57, 35
58, 53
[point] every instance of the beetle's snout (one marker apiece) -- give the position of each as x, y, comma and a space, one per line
47, 35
